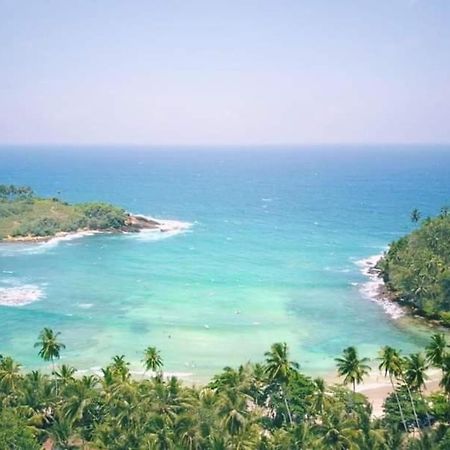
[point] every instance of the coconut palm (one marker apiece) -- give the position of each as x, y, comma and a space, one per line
65, 374
445, 381
80, 404
188, 431
119, 367
415, 371
49, 348
152, 359
436, 349
9, 374
232, 409
301, 436
352, 368
61, 432
278, 368
338, 431
391, 364
36, 390
372, 436
320, 398
415, 374
409, 383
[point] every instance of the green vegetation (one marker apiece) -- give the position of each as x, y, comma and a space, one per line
267, 406
416, 268
22, 214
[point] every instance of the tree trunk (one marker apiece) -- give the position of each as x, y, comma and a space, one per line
399, 405
287, 406
54, 377
426, 408
413, 407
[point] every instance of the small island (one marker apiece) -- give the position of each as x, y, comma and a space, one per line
26, 217
416, 268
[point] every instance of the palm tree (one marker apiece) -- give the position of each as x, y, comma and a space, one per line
436, 349
415, 215
50, 348
188, 431
319, 397
9, 374
302, 436
445, 381
279, 369
407, 382
80, 407
60, 432
65, 374
338, 431
372, 436
232, 409
351, 367
415, 374
415, 371
390, 362
152, 360
119, 367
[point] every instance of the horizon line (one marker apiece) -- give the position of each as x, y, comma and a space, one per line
229, 145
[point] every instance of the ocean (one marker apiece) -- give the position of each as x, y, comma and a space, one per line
274, 250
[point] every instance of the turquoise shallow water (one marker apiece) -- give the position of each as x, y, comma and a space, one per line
270, 256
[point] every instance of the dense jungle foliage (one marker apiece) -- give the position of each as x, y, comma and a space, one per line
23, 214
416, 268
269, 405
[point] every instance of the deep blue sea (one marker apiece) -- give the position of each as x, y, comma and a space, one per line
271, 253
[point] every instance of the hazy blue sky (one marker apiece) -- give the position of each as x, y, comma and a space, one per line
224, 72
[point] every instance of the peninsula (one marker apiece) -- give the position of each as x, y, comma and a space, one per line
27, 217
416, 268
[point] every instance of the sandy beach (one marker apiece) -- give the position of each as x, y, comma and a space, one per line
376, 387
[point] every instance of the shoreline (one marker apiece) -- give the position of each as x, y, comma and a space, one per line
136, 223
377, 387
376, 290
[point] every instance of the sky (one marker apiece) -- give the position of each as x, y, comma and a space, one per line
224, 72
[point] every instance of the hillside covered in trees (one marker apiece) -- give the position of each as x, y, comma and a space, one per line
264, 406
416, 268
25, 215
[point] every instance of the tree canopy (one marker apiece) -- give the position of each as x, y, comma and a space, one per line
416, 268
264, 406
23, 214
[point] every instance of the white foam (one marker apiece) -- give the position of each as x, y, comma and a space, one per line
165, 229
372, 288
20, 295
33, 248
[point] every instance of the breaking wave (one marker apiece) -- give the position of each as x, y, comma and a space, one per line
20, 295
372, 289
165, 229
